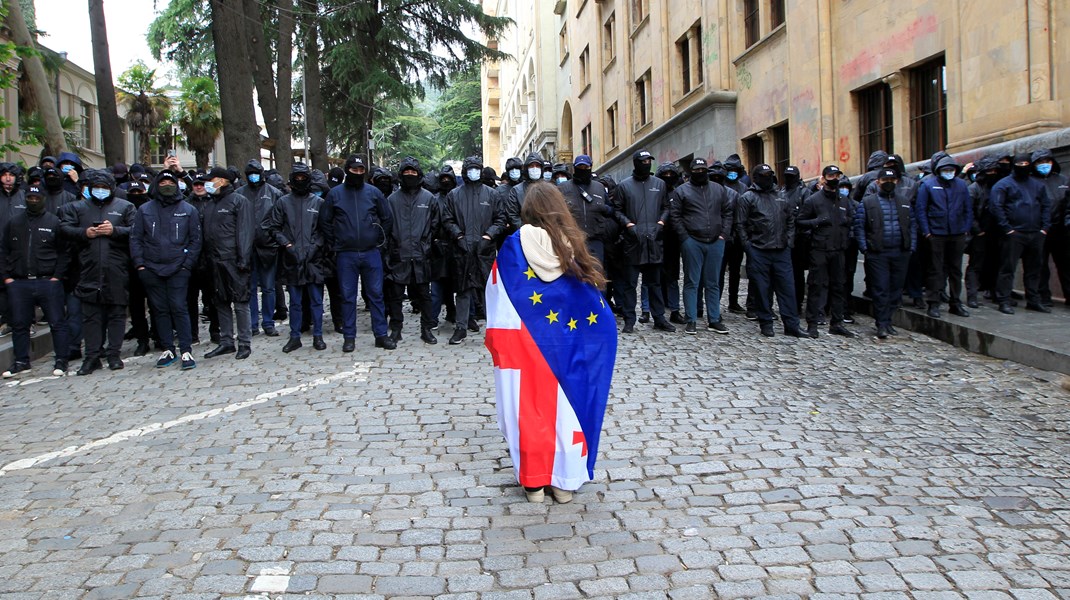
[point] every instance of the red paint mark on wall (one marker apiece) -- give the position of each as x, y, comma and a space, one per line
843, 149
805, 96
868, 59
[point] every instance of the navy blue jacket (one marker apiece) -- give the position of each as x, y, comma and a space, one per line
355, 219
1021, 205
944, 207
166, 237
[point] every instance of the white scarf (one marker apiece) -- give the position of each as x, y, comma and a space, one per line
539, 252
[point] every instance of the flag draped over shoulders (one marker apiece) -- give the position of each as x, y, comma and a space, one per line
554, 345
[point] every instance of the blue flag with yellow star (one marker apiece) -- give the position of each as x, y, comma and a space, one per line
554, 346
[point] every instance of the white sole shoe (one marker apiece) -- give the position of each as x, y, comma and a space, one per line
561, 496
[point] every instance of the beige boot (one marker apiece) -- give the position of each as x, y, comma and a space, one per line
535, 495
562, 496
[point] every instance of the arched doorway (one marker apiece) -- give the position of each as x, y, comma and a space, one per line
564, 141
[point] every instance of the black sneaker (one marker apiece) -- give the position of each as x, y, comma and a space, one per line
292, 344
18, 367
751, 315
628, 328
318, 343
690, 328
664, 326
473, 326
142, 349
458, 336
848, 318
115, 363
188, 362
644, 318
767, 330
718, 327
676, 317
736, 309
349, 345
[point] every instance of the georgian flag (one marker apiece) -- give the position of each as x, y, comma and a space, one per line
554, 346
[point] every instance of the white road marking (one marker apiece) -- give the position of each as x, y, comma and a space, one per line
358, 374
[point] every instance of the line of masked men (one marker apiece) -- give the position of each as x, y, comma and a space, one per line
75, 247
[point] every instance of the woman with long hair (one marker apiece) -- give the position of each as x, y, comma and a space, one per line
554, 343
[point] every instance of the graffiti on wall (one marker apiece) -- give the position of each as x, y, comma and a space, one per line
843, 149
743, 77
869, 59
711, 42
805, 120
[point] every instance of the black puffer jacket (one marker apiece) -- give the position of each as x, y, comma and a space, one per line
104, 260
643, 202
703, 212
411, 240
765, 220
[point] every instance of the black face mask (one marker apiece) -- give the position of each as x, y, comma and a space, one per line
791, 181
582, 176
888, 188
355, 180
445, 185
301, 186
641, 170
700, 178
53, 181
35, 205
1004, 169
1022, 171
385, 186
764, 182
410, 182
830, 191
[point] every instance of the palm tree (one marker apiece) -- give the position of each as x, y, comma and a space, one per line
146, 106
198, 117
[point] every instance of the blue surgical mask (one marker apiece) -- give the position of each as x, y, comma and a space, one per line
973, 176
514, 174
101, 193
473, 174
86, 194
182, 186
947, 175
1044, 169
560, 180
534, 173
844, 192
66, 168
732, 176
254, 178
317, 193
547, 175
209, 186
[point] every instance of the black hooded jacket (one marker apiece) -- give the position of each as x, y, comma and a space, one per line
765, 219
1058, 193
591, 206
873, 166
515, 198
471, 211
294, 226
13, 202
980, 195
229, 227
166, 235
417, 219
262, 197
104, 260
644, 202
33, 245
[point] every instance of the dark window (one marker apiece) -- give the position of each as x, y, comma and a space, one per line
642, 100
928, 109
754, 150
611, 125
585, 140
781, 148
776, 13
750, 21
683, 52
875, 120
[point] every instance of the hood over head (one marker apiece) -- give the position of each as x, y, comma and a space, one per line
473, 162
410, 162
945, 162
51, 159
514, 163
533, 159
935, 160
1046, 154
876, 160
301, 170
734, 163
72, 158
254, 166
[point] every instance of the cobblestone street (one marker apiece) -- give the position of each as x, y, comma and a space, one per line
731, 466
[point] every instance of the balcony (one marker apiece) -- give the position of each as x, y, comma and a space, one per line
494, 123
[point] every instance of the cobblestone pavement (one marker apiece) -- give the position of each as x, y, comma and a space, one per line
730, 467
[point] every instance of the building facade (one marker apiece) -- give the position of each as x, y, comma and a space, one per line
806, 82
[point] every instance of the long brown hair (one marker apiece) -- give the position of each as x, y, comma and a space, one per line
545, 207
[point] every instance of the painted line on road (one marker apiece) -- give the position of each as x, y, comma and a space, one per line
358, 374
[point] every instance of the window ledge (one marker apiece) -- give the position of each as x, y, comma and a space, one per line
639, 130
640, 25
761, 42
688, 96
563, 60
609, 64
584, 90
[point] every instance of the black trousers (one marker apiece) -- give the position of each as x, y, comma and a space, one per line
978, 249
100, 323
733, 265
800, 259
850, 267
139, 303
201, 288
1056, 249
334, 290
419, 295
769, 273
628, 291
886, 272
945, 268
1027, 247
826, 283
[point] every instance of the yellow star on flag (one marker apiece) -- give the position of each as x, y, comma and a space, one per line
592, 319
572, 325
552, 316
530, 273
535, 298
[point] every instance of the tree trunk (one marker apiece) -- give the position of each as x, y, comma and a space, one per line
284, 70
241, 134
110, 131
145, 149
260, 65
38, 79
314, 120
202, 159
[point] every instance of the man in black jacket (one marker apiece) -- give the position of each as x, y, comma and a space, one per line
701, 214
227, 235
641, 205
12, 202
100, 229
165, 243
731, 175
589, 204
886, 230
262, 197
442, 288
796, 193
294, 225
416, 221
1022, 208
765, 223
670, 262
983, 247
1057, 242
33, 263
200, 284
828, 219
473, 218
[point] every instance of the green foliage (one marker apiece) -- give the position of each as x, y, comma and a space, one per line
460, 115
147, 107
180, 34
198, 116
403, 130
32, 130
